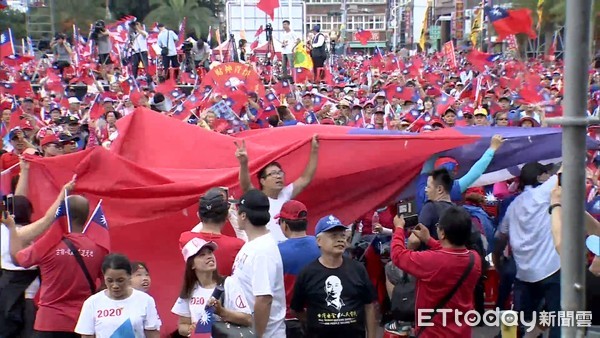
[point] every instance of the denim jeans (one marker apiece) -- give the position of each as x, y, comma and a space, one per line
544, 294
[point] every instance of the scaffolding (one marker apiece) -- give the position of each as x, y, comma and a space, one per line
40, 20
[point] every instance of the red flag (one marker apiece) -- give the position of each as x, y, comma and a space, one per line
512, 21
363, 36
142, 165
259, 32
268, 6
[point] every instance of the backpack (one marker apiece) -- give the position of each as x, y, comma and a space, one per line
403, 299
484, 223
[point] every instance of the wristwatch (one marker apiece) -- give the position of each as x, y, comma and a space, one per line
553, 206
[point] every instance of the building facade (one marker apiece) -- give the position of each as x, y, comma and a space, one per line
371, 15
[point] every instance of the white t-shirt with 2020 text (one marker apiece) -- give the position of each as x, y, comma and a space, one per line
104, 317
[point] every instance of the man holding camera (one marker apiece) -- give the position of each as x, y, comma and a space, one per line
139, 47
101, 38
201, 51
62, 52
168, 49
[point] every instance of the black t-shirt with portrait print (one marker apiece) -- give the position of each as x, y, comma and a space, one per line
334, 299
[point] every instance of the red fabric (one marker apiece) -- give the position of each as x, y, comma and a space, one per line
7, 160
518, 21
64, 287
376, 272
150, 186
434, 281
268, 6
225, 253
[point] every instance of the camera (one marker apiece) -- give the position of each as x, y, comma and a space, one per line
187, 46
269, 32
99, 27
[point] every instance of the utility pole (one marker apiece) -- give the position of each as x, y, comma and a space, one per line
344, 10
394, 9
574, 122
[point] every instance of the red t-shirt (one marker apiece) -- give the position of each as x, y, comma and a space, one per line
7, 160
64, 287
225, 254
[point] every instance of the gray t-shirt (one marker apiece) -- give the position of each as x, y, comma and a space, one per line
104, 45
61, 53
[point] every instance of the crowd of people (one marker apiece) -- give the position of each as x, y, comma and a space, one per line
273, 279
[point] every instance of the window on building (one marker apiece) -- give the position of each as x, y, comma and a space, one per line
369, 22
367, 1
327, 23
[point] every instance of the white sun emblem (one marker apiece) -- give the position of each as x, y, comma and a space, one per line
204, 318
233, 82
3, 38
58, 211
103, 220
490, 198
496, 11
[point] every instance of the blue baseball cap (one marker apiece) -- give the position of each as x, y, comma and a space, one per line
327, 223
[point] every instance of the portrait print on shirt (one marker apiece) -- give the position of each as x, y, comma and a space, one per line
333, 290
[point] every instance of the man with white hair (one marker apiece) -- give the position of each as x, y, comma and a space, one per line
333, 295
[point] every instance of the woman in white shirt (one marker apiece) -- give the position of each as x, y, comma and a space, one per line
195, 305
120, 310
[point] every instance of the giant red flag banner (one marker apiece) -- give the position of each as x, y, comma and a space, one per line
150, 187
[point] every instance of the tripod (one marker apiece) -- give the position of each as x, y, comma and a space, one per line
232, 49
187, 64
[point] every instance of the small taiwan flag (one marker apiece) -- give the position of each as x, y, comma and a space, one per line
204, 325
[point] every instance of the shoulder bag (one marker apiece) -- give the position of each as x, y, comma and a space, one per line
452, 292
81, 263
223, 329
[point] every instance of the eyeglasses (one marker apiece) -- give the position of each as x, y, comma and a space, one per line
502, 119
468, 117
279, 173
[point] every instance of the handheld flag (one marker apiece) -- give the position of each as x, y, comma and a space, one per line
301, 57
204, 326
97, 228
512, 21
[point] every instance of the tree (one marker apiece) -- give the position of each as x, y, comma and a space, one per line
14, 20
171, 12
82, 13
121, 8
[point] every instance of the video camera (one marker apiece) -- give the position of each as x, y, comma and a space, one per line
187, 46
99, 27
269, 32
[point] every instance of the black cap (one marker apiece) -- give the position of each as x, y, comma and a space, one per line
28, 99
254, 201
531, 171
213, 203
67, 137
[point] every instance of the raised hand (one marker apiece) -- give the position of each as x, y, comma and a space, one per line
240, 152
496, 142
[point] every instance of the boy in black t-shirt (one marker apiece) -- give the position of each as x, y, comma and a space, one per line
335, 291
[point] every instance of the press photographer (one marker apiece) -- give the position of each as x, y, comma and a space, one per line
62, 52
139, 47
168, 49
201, 52
101, 41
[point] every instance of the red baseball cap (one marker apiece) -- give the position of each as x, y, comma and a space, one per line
49, 138
293, 210
25, 124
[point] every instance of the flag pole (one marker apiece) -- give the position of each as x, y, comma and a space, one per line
93, 213
69, 229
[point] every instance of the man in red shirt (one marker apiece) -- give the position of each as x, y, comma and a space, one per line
438, 271
19, 143
213, 211
65, 285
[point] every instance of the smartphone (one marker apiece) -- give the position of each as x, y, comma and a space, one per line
559, 179
226, 190
8, 204
404, 208
411, 221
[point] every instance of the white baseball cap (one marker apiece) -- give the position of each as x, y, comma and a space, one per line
194, 245
73, 100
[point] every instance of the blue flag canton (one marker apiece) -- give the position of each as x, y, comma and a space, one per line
61, 210
205, 322
99, 218
495, 13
